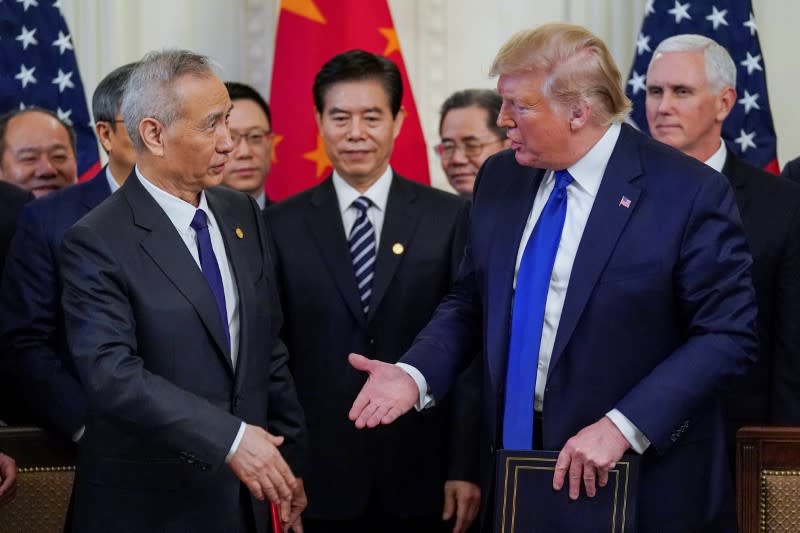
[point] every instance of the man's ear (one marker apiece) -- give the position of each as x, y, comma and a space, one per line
398, 122
725, 102
579, 113
152, 133
103, 130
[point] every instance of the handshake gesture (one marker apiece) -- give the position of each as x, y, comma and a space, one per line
260, 466
388, 393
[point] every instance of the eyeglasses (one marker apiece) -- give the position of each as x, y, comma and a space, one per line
253, 137
447, 149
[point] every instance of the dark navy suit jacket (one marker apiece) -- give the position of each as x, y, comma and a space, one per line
32, 330
659, 314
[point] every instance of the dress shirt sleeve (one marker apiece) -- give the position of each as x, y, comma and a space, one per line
636, 438
425, 399
236, 441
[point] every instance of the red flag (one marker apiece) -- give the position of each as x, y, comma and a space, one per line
310, 32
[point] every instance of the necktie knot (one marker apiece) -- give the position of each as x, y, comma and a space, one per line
362, 203
200, 220
563, 179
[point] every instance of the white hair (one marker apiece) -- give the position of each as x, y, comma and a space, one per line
720, 68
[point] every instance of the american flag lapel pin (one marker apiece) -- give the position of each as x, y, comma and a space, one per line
625, 202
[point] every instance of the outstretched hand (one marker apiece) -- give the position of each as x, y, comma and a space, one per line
388, 393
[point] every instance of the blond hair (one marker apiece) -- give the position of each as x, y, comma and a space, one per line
576, 66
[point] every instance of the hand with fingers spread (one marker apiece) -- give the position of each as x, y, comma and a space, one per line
462, 499
588, 456
260, 466
388, 393
8, 478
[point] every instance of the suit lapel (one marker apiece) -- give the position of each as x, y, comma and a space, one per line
399, 222
736, 176
603, 228
325, 223
505, 239
96, 191
165, 246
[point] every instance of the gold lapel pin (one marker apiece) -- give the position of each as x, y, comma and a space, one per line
398, 249
239, 233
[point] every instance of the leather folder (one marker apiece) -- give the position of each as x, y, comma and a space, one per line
526, 502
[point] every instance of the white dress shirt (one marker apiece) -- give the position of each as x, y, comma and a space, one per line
717, 161
112, 183
181, 214
378, 193
587, 174
261, 199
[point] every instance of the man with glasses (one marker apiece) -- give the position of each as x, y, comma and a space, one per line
470, 134
31, 325
251, 130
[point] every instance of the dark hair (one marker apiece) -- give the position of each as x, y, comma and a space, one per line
240, 91
358, 65
107, 98
6, 118
484, 98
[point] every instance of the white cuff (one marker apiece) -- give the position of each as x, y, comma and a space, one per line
236, 441
636, 438
425, 399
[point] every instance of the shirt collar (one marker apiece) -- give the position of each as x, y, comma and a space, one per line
378, 193
179, 212
717, 161
112, 183
261, 199
588, 171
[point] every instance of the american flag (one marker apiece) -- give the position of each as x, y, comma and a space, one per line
38, 67
748, 129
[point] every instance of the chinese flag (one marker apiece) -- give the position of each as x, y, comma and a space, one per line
310, 32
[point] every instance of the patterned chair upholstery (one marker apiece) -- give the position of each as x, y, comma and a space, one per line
768, 479
46, 471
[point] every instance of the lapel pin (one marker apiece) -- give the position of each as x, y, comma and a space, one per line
398, 249
624, 202
239, 233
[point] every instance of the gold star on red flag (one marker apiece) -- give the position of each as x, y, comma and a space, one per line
319, 156
276, 140
392, 43
304, 8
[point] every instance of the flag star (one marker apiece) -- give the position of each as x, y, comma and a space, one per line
21, 105
745, 140
749, 101
642, 44
717, 17
25, 75
26, 37
63, 80
751, 63
57, 4
64, 115
28, 3
63, 42
751, 23
680, 12
648, 8
637, 82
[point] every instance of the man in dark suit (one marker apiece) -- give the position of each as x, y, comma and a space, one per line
37, 151
171, 315
792, 169
362, 260
611, 276
12, 200
690, 91
31, 321
251, 129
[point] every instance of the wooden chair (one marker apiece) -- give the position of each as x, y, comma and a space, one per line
768, 479
46, 467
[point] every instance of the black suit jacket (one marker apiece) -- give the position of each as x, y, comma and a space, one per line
12, 198
402, 467
165, 403
32, 329
792, 169
770, 210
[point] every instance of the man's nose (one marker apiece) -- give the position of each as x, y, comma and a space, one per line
45, 167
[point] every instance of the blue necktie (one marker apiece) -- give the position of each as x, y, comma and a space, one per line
362, 250
210, 267
527, 319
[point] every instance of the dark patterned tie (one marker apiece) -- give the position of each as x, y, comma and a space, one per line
362, 250
210, 267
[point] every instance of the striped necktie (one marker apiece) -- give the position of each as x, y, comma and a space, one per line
362, 250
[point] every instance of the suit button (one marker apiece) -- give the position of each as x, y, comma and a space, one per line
371, 341
491, 449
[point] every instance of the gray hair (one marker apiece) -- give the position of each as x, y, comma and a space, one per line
720, 68
150, 93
